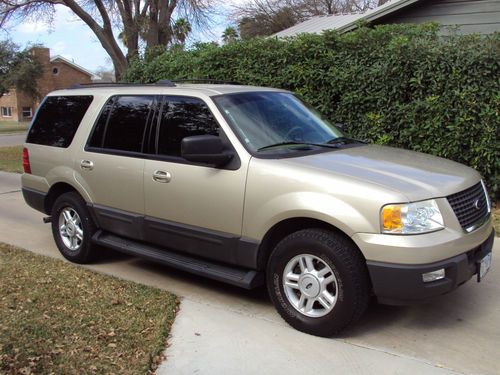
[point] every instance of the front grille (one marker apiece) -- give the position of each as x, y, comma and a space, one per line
470, 206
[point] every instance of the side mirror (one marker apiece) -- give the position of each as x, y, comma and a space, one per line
207, 149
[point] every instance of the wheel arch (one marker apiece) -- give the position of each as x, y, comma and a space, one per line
288, 226
55, 191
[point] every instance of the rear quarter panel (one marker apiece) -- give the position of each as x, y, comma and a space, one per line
51, 165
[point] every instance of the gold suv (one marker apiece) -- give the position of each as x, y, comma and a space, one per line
251, 186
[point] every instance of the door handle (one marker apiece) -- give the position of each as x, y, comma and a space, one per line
161, 176
87, 165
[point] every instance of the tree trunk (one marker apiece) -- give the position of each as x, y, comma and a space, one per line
152, 32
103, 33
132, 42
130, 26
165, 11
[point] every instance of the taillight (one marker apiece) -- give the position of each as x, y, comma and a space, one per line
26, 161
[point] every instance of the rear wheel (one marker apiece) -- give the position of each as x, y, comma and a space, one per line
318, 281
73, 228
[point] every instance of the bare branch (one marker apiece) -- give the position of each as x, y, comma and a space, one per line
266, 17
149, 20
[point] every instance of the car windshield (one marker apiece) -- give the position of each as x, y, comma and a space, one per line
267, 121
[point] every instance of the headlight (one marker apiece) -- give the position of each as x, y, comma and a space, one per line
411, 218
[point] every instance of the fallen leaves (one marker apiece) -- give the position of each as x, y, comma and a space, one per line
59, 318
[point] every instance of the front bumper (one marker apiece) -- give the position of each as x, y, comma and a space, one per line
421, 248
402, 284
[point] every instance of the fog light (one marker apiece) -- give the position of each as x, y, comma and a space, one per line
433, 276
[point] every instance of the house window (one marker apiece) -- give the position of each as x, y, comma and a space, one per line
55, 71
6, 111
27, 112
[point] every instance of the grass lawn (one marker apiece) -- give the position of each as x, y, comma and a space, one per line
7, 127
59, 318
10, 159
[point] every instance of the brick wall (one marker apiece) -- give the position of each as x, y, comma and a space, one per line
9, 101
55, 75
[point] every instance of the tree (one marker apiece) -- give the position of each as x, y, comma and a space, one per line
105, 74
18, 69
147, 20
310, 8
230, 35
267, 17
263, 24
181, 30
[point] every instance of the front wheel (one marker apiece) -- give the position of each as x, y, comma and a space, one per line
318, 281
73, 228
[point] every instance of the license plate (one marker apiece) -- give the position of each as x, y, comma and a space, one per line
483, 267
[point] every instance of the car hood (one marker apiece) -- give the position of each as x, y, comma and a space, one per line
417, 176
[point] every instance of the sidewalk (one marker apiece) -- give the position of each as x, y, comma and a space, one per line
15, 139
211, 340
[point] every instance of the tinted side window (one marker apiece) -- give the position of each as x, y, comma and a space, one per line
122, 123
97, 136
183, 117
58, 119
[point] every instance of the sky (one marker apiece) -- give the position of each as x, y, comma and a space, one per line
69, 37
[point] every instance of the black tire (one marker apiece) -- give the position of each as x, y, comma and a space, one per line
348, 266
85, 252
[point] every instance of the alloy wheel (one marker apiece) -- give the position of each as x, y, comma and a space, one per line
310, 285
70, 228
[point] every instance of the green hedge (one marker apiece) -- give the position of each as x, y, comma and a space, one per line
399, 85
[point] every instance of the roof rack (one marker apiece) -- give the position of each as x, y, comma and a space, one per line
163, 82
206, 80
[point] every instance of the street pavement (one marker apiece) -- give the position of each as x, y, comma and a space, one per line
222, 329
12, 139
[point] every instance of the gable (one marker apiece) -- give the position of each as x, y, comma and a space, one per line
71, 65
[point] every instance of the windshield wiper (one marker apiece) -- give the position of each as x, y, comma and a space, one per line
288, 143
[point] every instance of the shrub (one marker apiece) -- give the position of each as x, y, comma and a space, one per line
401, 85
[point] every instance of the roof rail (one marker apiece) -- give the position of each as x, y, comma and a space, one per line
163, 82
206, 80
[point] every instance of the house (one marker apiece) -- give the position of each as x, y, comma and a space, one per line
467, 16
58, 73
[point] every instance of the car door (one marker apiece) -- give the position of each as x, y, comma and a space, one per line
191, 207
111, 166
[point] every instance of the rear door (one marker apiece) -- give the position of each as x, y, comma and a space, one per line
197, 208
111, 165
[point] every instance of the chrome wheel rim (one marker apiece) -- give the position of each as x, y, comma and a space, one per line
70, 228
310, 285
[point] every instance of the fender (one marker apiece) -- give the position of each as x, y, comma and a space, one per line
319, 206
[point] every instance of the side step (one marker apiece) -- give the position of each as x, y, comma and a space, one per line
233, 275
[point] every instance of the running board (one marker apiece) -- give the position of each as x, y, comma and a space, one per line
233, 275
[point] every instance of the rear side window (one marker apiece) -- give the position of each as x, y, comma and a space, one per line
183, 117
122, 123
58, 119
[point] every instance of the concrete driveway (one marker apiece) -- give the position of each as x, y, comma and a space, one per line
12, 139
222, 329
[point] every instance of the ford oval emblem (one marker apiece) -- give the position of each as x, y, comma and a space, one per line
477, 204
